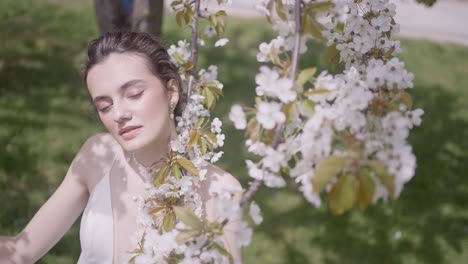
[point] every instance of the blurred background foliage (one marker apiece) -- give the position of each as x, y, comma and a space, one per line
45, 116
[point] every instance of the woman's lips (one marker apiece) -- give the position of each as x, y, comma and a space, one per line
130, 132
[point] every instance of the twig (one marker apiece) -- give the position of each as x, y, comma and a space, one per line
194, 50
297, 39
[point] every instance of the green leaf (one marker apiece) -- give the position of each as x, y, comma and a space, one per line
175, 3
305, 76
180, 18
213, 20
339, 27
215, 90
187, 234
342, 196
215, 228
200, 122
389, 52
178, 58
406, 99
208, 143
210, 136
332, 54
253, 129
156, 210
304, 24
219, 29
365, 191
310, 25
142, 241
325, 170
221, 13
269, 7
322, 7
160, 177
309, 106
385, 178
176, 172
268, 135
289, 111
312, 92
169, 221
401, 97
188, 217
136, 251
188, 14
188, 66
280, 10
203, 146
210, 99
274, 57
222, 250
193, 139
188, 166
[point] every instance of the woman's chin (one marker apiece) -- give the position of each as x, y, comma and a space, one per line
131, 145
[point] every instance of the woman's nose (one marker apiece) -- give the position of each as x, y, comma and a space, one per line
121, 114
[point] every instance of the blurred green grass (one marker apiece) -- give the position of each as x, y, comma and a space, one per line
45, 116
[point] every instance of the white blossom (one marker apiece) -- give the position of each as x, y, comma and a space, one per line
226, 207
221, 42
254, 171
255, 213
244, 235
181, 50
269, 115
220, 140
216, 156
237, 116
263, 54
216, 125
273, 181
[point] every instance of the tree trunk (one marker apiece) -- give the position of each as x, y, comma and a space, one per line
110, 16
147, 16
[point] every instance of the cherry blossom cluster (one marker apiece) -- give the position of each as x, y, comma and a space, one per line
365, 46
341, 135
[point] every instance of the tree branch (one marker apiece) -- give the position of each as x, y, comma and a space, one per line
194, 51
297, 39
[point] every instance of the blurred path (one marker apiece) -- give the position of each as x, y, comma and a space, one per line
446, 21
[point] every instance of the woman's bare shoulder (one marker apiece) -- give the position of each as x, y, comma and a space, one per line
217, 180
95, 157
218, 175
98, 147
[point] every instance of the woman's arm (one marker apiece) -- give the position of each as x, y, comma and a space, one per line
216, 176
6, 247
60, 211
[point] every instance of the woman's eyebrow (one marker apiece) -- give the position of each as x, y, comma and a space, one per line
121, 88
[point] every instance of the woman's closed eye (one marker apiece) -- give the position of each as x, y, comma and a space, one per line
104, 109
136, 95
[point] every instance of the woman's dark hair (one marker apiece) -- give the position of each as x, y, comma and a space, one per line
159, 61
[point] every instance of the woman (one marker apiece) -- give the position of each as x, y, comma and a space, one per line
137, 91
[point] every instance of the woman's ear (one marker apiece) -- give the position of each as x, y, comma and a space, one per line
173, 93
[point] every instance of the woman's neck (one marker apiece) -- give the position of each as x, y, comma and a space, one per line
154, 152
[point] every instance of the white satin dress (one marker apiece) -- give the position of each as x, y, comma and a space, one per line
97, 228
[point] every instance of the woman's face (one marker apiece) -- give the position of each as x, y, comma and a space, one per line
132, 102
